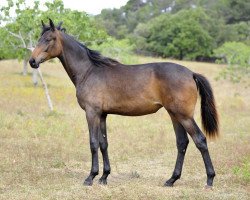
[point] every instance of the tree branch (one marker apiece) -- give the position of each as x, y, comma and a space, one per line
21, 37
18, 36
46, 90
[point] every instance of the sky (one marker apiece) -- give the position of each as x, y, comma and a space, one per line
92, 7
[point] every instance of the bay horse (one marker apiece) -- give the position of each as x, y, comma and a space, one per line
105, 86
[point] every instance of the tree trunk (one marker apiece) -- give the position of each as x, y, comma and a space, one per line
46, 90
35, 77
181, 55
25, 67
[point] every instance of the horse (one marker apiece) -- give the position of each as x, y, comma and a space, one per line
105, 86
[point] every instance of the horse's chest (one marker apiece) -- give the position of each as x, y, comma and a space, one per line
88, 98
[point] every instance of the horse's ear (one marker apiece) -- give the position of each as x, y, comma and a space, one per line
43, 25
59, 25
52, 26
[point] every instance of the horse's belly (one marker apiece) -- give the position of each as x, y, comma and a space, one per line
133, 108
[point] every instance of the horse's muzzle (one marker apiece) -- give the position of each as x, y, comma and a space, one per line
33, 63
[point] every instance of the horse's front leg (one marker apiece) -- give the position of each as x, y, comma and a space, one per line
104, 149
93, 119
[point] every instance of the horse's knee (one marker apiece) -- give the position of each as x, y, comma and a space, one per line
103, 146
94, 147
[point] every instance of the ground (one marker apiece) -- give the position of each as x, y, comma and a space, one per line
45, 155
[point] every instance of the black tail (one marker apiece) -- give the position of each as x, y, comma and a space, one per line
210, 122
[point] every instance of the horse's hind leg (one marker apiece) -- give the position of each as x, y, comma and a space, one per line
182, 143
201, 143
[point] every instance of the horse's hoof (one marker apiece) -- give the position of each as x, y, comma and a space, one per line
168, 184
88, 182
208, 187
103, 181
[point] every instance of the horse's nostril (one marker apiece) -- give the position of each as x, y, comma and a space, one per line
32, 62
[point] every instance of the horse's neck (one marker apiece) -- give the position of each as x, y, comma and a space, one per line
75, 60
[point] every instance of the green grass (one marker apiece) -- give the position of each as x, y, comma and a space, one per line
243, 170
46, 155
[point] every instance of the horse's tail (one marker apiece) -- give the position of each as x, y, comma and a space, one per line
210, 122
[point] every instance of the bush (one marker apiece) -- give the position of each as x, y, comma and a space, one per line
120, 50
237, 56
180, 36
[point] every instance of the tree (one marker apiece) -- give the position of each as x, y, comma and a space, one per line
19, 34
23, 29
133, 13
179, 36
234, 11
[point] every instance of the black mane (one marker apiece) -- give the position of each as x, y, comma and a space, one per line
97, 58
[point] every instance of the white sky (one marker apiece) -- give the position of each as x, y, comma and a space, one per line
90, 6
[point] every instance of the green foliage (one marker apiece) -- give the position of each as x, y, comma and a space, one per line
243, 170
234, 11
120, 50
129, 16
237, 55
218, 21
179, 36
113, 21
4, 52
27, 25
78, 24
239, 32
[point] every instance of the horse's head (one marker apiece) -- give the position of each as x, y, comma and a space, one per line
49, 45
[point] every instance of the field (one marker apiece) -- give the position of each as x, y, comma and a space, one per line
45, 155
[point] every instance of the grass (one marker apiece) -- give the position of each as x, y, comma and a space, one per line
243, 170
46, 155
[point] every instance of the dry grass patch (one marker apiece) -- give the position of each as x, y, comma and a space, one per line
46, 155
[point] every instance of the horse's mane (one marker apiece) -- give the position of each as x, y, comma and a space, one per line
97, 58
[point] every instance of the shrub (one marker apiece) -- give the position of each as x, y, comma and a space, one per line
180, 36
120, 50
237, 56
